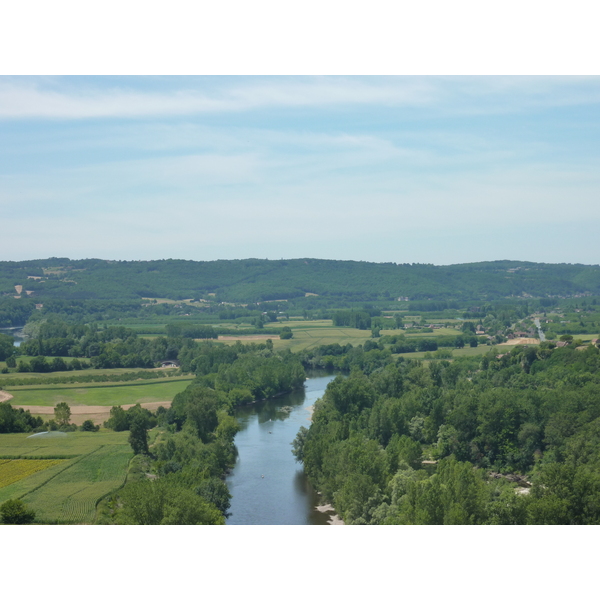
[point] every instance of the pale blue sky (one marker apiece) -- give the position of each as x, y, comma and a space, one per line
386, 169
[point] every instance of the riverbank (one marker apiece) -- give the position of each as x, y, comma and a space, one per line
334, 519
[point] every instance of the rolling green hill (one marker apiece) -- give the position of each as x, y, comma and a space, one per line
254, 280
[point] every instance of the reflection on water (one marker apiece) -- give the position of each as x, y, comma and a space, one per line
267, 484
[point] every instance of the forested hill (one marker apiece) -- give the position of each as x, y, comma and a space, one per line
253, 280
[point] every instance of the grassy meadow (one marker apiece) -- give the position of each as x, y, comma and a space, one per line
106, 394
425, 332
83, 372
309, 334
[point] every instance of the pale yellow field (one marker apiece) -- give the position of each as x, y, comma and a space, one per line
12, 471
521, 341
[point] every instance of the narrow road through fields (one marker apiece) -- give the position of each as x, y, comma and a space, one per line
539, 328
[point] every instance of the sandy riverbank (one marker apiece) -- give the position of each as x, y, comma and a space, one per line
333, 518
311, 410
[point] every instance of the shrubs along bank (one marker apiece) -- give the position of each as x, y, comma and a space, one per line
195, 446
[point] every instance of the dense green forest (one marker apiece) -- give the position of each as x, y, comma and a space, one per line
531, 416
254, 280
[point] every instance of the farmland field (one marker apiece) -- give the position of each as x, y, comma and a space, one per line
68, 490
82, 373
71, 445
456, 352
99, 395
426, 332
12, 471
71, 496
309, 334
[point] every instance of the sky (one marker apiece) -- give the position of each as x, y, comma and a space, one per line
418, 169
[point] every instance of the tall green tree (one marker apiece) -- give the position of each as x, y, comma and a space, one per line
62, 413
138, 435
6, 346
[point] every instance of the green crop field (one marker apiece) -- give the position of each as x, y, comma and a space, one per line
309, 334
83, 372
586, 337
70, 445
68, 491
425, 332
71, 496
457, 352
100, 394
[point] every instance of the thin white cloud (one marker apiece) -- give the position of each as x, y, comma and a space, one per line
33, 98
30, 99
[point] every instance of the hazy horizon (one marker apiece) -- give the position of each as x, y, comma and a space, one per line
286, 258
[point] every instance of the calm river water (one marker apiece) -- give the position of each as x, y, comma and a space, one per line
267, 484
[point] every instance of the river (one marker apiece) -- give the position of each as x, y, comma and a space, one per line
267, 485
16, 332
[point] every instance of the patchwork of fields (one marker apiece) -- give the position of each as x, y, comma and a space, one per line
63, 478
310, 334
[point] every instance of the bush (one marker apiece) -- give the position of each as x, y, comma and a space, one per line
15, 512
88, 425
286, 333
68, 428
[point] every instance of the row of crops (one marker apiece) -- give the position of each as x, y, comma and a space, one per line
71, 495
12, 471
68, 490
